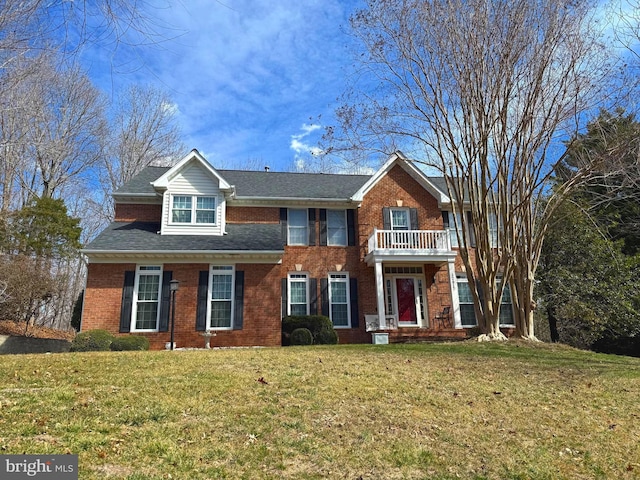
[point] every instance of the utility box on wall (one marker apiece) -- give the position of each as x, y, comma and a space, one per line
380, 338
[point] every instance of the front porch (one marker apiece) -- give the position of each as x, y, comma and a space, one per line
415, 282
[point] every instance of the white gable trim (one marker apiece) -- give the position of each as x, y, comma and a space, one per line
163, 182
398, 158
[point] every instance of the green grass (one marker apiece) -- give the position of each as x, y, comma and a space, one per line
440, 411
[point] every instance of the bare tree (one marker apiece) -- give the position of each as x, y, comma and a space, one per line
482, 90
66, 126
144, 132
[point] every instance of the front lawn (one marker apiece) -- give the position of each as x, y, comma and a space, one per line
441, 411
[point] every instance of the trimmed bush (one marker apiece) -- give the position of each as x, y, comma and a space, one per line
629, 346
320, 327
130, 342
92, 341
301, 336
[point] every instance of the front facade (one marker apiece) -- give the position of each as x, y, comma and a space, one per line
373, 253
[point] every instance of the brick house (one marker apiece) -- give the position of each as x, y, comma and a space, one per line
372, 252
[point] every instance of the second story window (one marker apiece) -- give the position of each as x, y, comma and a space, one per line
298, 225
400, 219
336, 227
193, 209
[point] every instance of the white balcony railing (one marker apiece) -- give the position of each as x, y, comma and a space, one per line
400, 240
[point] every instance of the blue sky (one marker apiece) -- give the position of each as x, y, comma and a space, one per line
252, 80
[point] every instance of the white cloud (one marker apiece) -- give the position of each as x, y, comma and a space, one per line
299, 147
244, 73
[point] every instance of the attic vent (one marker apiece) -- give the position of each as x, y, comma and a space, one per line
266, 169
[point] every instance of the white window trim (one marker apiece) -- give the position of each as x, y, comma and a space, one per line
194, 209
406, 212
346, 230
510, 305
134, 306
306, 227
347, 283
232, 273
454, 228
306, 281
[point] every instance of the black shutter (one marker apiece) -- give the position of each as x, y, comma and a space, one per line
201, 305
413, 217
386, 218
445, 220
238, 315
324, 296
165, 301
353, 299
285, 300
313, 296
351, 227
127, 301
284, 226
312, 226
323, 226
472, 235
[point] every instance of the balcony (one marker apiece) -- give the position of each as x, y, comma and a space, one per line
409, 245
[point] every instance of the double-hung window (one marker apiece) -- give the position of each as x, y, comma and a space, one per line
336, 227
298, 294
221, 296
193, 209
465, 299
400, 219
146, 299
339, 299
506, 308
455, 228
298, 222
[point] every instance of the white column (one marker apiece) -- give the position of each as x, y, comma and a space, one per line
380, 295
455, 303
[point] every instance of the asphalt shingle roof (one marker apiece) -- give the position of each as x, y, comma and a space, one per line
265, 184
142, 236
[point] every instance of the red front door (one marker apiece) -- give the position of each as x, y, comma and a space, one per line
406, 300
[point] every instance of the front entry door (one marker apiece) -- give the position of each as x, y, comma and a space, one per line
405, 288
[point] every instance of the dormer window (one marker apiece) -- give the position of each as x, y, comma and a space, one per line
192, 209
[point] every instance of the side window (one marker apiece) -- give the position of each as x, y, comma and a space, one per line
146, 298
297, 227
506, 308
298, 294
452, 228
465, 298
339, 306
337, 227
221, 297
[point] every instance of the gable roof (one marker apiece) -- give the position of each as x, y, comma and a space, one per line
192, 157
398, 158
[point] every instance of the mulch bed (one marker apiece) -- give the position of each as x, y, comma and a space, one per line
7, 327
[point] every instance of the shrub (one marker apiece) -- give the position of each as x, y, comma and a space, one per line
301, 336
92, 341
629, 346
320, 327
130, 342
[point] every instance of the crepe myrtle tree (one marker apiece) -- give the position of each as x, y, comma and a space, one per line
481, 90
